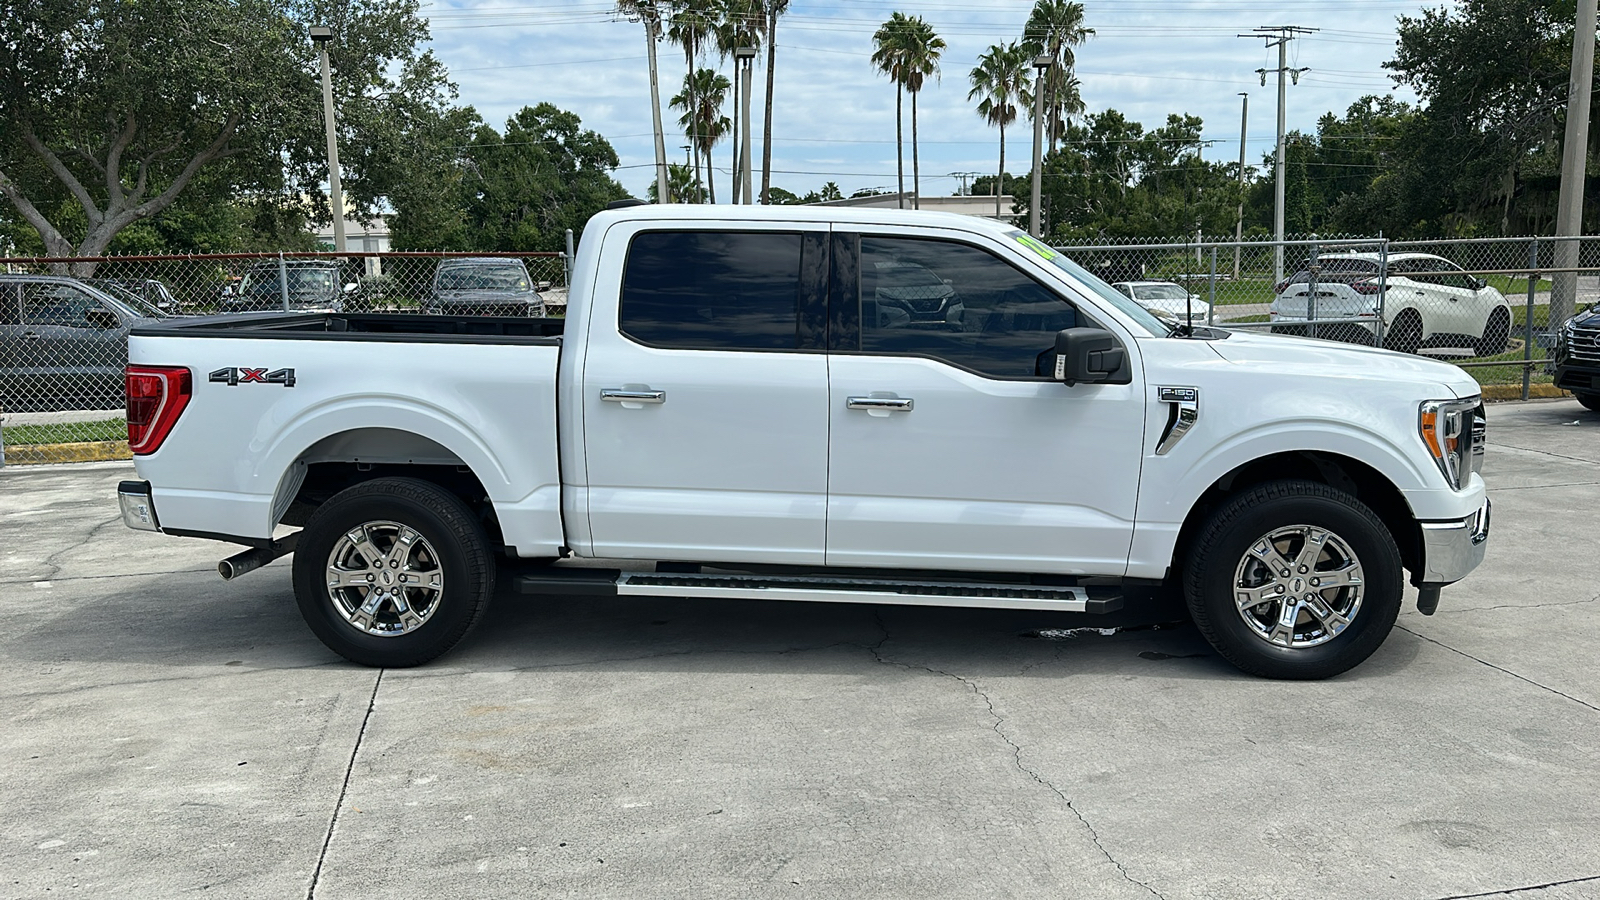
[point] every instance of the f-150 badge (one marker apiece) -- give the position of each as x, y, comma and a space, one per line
237, 375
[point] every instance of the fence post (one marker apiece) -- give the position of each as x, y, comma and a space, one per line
1383, 284
2, 440
1527, 318
1312, 268
1211, 301
568, 259
283, 281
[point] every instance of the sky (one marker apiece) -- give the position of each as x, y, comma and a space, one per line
833, 117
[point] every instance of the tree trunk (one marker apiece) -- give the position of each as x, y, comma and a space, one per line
899, 146
711, 176
1000, 180
694, 122
916, 168
733, 189
766, 121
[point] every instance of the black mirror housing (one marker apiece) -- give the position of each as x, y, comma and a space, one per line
1091, 356
101, 318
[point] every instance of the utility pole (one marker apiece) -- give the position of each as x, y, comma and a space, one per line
1279, 36
1238, 228
1574, 153
321, 35
652, 29
745, 60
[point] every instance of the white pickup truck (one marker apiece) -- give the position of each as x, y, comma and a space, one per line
829, 405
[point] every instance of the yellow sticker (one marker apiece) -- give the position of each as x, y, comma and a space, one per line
1035, 246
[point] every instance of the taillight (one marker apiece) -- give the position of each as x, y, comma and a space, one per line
1368, 287
156, 397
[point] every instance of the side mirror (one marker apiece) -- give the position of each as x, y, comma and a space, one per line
101, 318
350, 288
1090, 356
1479, 284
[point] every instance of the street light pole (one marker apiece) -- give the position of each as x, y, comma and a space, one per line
746, 57
1041, 65
1574, 152
1238, 227
1279, 36
321, 35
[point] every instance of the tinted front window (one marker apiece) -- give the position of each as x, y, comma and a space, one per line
56, 304
712, 290
968, 308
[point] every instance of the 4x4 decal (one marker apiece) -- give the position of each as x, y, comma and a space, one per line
236, 375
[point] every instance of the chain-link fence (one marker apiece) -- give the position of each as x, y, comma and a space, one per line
1490, 305
64, 323
1493, 306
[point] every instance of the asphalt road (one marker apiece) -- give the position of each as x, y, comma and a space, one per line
169, 734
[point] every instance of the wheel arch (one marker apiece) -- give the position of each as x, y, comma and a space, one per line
1367, 484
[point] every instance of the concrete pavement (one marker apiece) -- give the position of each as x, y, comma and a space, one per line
167, 733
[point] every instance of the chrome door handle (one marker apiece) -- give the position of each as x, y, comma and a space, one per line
31, 335
620, 396
894, 404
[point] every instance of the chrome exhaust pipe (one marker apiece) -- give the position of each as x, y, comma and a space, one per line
256, 557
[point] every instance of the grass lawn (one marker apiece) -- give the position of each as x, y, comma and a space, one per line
66, 432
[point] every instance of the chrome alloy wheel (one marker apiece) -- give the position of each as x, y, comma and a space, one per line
1298, 586
384, 579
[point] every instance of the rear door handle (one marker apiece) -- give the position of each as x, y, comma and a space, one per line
891, 404
617, 395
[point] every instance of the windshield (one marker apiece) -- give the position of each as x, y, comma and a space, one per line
141, 306
302, 280
1160, 292
1092, 283
503, 278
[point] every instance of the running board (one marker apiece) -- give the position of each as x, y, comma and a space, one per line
823, 589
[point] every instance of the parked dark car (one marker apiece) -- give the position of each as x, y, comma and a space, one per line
484, 286
1577, 357
313, 286
63, 344
138, 300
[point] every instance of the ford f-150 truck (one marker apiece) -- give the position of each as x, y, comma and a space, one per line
758, 403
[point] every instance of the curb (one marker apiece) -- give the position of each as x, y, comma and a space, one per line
89, 451
1514, 392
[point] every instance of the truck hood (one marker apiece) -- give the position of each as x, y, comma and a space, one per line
1309, 356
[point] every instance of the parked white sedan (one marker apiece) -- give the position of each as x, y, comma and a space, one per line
1166, 296
1428, 301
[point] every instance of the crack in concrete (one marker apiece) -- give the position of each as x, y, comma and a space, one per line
333, 821
1528, 606
93, 532
71, 578
876, 649
1522, 678
176, 679
1587, 462
1519, 890
1539, 487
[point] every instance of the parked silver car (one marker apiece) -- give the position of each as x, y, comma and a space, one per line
63, 344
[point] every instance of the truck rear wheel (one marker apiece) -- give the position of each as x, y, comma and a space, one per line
392, 572
1294, 580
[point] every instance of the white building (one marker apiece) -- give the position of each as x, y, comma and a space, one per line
361, 237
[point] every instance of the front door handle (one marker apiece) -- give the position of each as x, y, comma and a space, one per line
889, 404
618, 395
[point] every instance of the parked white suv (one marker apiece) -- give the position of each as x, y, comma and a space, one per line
1428, 301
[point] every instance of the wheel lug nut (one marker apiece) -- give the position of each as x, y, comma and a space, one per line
1303, 569
1286, 573
1316, 582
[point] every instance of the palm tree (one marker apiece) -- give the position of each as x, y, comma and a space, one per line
889, 54
1001, 81
693, 22
922, 50
1054, 27
773, 10
649, 12
742, 25
701, 101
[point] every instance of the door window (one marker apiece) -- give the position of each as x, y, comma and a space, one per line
958, 304
713, 290
8, 304
48, 303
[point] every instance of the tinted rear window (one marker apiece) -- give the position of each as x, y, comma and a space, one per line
712, 290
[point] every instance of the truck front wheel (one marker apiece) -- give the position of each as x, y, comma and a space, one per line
392, 572
1294, 579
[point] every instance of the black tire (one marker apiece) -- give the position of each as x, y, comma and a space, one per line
1496, 333
1591, 401
1405, 335
1224, 549
449, 545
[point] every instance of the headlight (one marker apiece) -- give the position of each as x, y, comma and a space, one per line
1454, 432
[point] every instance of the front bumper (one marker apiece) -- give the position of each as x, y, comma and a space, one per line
138, 510
1453, 548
